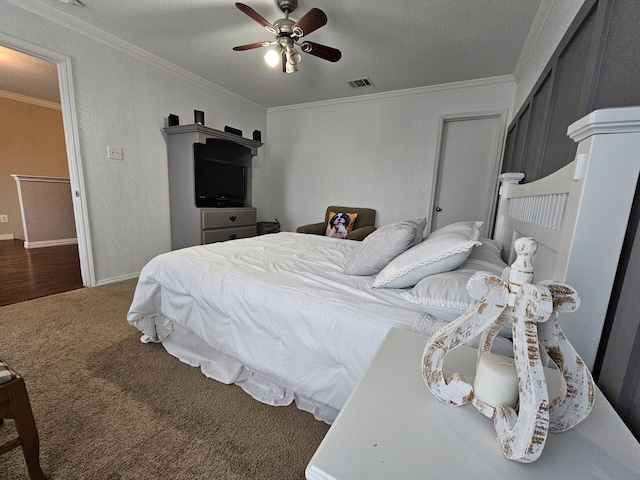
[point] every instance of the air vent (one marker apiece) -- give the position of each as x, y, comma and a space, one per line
361, 82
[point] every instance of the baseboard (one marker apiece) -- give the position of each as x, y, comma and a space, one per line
50, 243
7, 236
120, 278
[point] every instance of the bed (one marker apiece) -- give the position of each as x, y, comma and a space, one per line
284, 317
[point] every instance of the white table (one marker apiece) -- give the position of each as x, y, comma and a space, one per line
392, 427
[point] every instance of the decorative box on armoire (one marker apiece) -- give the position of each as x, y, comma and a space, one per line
193, 221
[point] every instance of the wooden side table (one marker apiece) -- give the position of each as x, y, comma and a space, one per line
393, 427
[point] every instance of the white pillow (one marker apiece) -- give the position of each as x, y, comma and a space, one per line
446, 290
467, 228
449, 289
383, 245
486, 258
440, 253
419, 224
496, 244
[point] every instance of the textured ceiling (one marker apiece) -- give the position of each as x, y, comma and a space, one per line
27, 75
398, 45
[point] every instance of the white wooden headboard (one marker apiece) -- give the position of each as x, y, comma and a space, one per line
579, 216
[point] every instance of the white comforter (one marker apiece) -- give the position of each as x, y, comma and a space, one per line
274, 314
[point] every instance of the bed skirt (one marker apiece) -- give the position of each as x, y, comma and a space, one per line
190, 349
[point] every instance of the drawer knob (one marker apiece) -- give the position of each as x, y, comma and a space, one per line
232, 218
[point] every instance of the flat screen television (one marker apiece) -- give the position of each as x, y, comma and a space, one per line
217, 183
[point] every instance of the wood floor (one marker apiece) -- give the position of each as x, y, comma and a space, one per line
27, 273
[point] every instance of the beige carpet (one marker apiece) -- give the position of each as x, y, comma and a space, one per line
109, 407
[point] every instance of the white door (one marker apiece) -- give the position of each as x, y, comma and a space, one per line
468, 164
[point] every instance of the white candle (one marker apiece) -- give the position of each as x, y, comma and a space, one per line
496, 381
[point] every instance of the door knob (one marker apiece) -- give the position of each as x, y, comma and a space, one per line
438, 209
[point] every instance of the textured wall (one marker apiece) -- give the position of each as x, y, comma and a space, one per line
376, 151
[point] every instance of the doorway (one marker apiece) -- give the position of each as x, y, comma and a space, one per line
468, 160
64, 86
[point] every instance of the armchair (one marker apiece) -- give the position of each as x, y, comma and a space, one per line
364, 225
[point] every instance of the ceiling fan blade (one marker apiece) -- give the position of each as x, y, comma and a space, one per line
312, 20
249, 46
321, 51
256, 16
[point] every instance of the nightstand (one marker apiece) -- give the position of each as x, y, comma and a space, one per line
392, 427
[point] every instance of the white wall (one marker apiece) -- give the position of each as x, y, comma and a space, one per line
123, 99
375, 151
557, 16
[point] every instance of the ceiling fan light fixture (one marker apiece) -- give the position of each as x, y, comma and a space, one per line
288, 33
293, 56
290, 67
272, 58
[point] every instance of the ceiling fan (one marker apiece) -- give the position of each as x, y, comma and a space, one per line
288, 34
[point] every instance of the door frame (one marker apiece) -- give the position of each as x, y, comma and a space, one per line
72, 142
501, 115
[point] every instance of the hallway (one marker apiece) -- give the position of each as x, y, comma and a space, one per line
37, 272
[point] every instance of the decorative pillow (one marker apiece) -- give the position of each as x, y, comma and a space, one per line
467, 228
486, 258
449, 289
440, 253
383, 245
419, 224
446, 290
340, 224
490, 241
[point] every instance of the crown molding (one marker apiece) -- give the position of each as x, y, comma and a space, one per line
67, 21
33, 101
408, 92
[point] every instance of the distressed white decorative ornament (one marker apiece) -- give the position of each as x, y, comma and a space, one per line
532, 309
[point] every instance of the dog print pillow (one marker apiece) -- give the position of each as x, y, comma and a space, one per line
340, 224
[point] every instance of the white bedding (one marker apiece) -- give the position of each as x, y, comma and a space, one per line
274, 314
